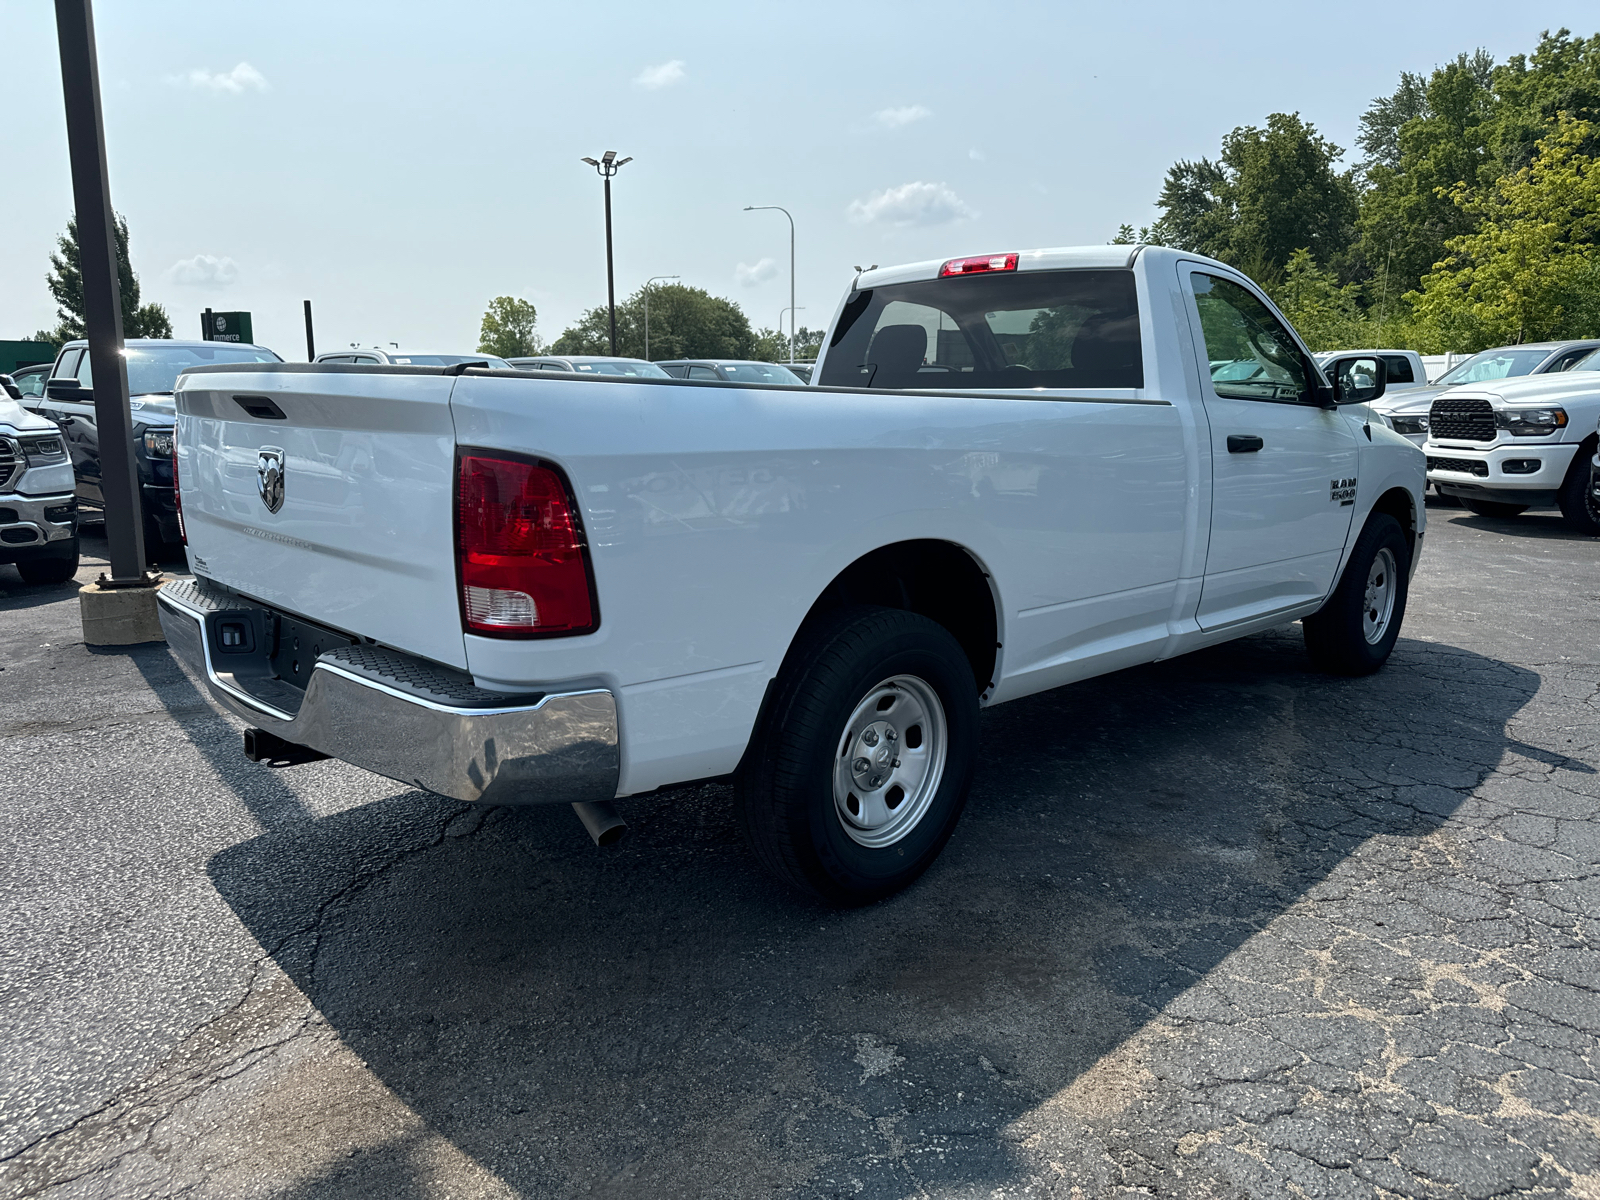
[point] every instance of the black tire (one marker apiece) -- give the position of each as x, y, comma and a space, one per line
1337, 635
785, 791
55, 568
1495, 508
1580, 506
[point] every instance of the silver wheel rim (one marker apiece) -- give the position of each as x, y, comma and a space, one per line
1382, 582
890, 760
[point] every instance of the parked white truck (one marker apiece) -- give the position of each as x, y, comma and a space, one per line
1012, 472
1507, 445
38, 511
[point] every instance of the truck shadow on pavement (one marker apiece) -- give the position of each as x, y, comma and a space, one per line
661, 1020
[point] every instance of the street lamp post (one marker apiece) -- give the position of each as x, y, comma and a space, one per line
785, 212
793, 332
646, 289
102, 304
608, 166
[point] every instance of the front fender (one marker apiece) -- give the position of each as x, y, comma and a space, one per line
1387, 463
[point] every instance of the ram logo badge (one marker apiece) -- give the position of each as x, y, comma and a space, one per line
1342, 491
269, 477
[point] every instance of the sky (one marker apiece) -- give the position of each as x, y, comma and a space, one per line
401, 164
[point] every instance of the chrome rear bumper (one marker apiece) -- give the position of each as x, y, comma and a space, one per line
367, 707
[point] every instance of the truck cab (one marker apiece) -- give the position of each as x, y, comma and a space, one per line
67, 399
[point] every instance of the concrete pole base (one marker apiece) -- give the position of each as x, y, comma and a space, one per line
119, 616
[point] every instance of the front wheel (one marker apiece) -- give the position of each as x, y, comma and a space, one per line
856, 778
1355, 631
58, 567
1579, 497
1495, 508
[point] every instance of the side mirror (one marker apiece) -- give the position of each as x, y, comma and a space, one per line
1358, 379
66, 389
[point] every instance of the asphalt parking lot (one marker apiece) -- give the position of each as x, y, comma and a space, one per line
1216, 927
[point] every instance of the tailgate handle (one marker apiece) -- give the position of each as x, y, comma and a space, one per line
260, 407
1244, 443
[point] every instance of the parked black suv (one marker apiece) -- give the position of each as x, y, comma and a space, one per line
153, 367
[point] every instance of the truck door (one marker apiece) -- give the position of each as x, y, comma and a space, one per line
1282, 468
78, 430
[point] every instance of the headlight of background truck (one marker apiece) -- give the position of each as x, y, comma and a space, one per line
1531, 422
46, 451
158, 443
1412, 423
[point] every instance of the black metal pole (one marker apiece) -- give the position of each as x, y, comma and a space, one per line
102, 301
611, 286
205, 325
311, 345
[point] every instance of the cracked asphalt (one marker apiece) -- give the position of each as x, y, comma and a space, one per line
1217, 927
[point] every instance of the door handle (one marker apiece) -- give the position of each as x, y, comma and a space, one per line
1244, 443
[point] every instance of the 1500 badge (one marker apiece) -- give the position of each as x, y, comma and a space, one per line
1342, 491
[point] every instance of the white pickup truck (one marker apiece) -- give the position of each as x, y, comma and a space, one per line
1506, 445
1012, 472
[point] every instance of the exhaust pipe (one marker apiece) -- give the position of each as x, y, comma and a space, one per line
263, 747
601, 819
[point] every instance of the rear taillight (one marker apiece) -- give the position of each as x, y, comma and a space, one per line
177, 494
979, 265
520, 554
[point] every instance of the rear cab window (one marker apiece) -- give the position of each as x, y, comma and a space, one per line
1400, 370
1074, 328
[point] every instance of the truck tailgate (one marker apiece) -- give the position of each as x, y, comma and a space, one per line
327, 492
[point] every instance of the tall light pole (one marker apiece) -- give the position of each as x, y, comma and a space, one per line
793, 333
608, 166
785, 212
646, 290
102, 303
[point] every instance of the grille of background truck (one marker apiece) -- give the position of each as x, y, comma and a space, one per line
1467, 466
11, 463
1466, 418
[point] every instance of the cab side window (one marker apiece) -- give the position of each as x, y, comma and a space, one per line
32, 385
67, 368
1252, 355
702, 373
85, 371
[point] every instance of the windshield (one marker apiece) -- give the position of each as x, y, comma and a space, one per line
450, 360
1005, 330
642, 369
758, 372
155, 368
1494, 364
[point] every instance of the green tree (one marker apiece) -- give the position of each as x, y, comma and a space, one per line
1522, 275
685, 322
507, 329
1406, 213
66, 285
1273, 191
1562, 75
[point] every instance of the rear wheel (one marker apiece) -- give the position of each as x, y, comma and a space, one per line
1355, 631
860, 770
58, 567
1579, 502
1495, 508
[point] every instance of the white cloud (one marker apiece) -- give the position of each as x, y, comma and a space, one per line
665, 75
241, 79
911, 204
976, 155
894, 118
762, 271
203, 270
